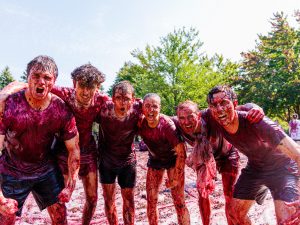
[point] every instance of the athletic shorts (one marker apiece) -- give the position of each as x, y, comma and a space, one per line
253, 184
158, 164
126, 175
88, 163
44, 189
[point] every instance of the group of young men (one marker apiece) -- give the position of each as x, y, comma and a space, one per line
46, 142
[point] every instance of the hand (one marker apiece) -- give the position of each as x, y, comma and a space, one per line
8, 206
65, 195
255, 115
294, 218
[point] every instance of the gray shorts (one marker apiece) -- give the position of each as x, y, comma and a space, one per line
253, 184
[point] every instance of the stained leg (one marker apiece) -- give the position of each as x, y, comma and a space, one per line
128, 205
154, 180
58, 214
90, 185
177, 192
109, 194
229, 180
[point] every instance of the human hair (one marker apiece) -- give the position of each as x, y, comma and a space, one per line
88, 76
221, 88
125, 87
42, 63
186, 104
152, 95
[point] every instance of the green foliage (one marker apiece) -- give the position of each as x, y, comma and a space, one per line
176, 69
23, 78
269, 75
5, 77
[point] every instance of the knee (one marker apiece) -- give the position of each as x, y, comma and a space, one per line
92, 200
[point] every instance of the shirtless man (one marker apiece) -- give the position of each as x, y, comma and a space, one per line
85, 102
193, 128
166, 153
118, 121
31, 119
272, 158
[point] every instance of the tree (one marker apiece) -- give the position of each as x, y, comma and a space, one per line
5, 77
269, 75
176, 69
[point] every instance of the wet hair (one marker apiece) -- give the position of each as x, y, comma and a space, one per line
88, 76
125, 87
42, 63
221, 88
187, 103
152, 95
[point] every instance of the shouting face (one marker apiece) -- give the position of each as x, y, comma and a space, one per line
223, 109
84, 95
151, 110
40, 84
188, 119
123, 101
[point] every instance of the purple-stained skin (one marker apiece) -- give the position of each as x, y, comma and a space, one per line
116, 148
160, 140
84, 116
29, 135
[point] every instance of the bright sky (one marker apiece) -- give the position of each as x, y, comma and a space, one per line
104, 32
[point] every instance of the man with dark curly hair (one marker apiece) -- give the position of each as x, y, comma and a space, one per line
85, 100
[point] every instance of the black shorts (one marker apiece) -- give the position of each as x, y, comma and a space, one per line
253, 185
158, 164
45, 189
126, 175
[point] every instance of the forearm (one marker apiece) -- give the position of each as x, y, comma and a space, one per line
73, 157
181, 156
291, 149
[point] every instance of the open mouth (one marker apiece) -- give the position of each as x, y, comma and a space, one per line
122, 109
40, 90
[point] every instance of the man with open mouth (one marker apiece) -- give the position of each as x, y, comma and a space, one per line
273, 159
30, 121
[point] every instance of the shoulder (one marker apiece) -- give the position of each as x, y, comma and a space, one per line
166, 122
101, 97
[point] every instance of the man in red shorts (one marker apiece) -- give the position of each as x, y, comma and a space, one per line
166, 153
30, 121
85, 102
118, 121
273, 158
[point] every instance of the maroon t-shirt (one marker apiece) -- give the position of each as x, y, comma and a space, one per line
258, 142
160, 140
29, 134
116, 135
84, 120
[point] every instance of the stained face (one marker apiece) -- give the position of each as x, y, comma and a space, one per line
151, 109
188, 119
84, 95
222, 109
40, 84
123, 101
